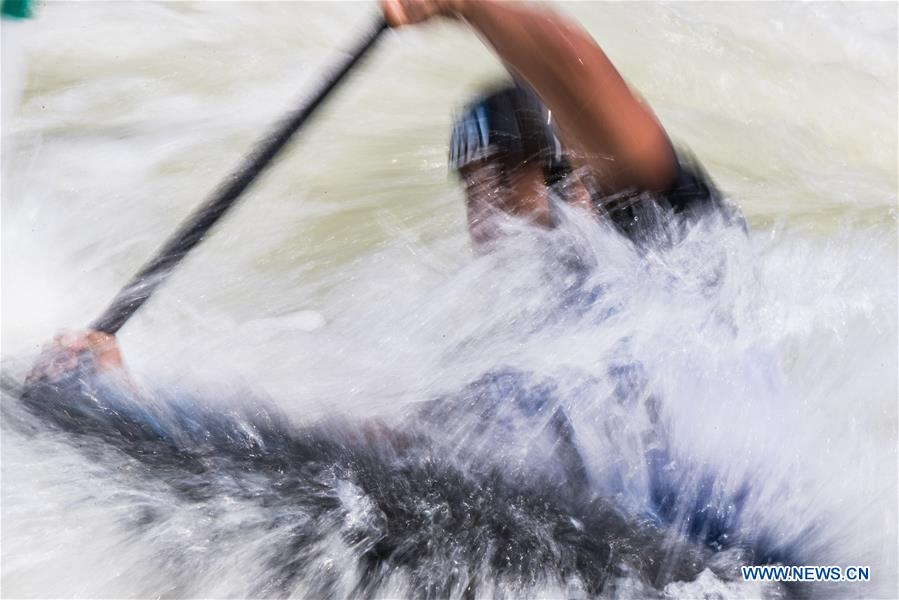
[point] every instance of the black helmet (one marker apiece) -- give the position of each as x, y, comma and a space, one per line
511, 125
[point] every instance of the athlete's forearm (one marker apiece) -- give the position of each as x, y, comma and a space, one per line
595, 110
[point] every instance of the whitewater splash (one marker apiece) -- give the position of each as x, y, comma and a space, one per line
594, 419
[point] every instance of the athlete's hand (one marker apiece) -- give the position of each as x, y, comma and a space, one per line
398, 13
62, 355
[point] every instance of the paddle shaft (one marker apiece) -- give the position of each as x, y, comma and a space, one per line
192, 231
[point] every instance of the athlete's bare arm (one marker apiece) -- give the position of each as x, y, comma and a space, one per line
608, 127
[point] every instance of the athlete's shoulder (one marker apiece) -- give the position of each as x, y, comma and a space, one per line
695, 194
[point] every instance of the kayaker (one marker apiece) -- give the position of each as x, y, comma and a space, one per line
568, 128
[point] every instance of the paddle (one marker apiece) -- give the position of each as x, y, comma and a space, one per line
191, 232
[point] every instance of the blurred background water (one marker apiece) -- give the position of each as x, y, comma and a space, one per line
345, 282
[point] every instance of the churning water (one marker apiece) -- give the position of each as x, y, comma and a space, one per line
337, 397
